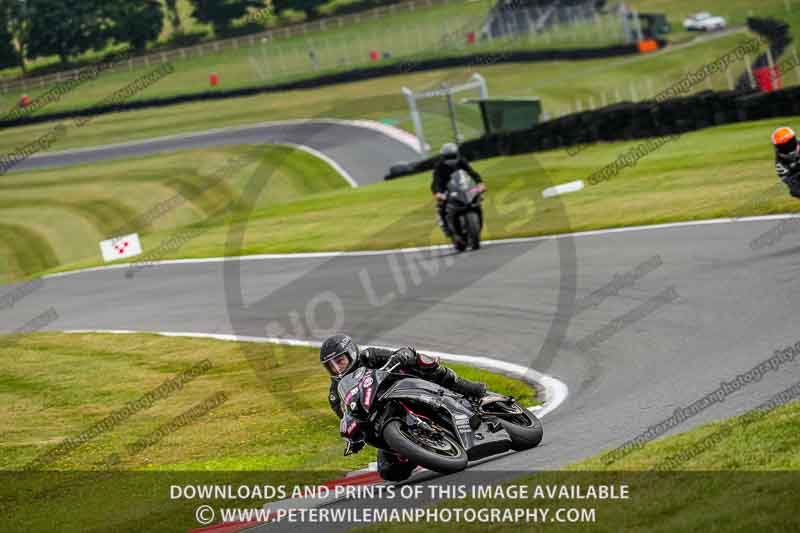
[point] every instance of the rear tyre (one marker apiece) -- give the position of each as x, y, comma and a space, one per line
473, 230
441, 453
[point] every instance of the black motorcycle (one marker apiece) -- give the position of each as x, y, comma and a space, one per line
464, 212
427, 424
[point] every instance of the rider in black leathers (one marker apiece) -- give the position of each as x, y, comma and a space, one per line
340, 356
450, 161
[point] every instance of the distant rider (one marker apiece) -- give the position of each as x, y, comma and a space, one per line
341, 356
449, 162
787, 158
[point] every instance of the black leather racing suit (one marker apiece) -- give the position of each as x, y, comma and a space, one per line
441, 177
393, 467
788, 169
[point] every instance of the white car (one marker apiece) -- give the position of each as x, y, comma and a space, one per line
704, 22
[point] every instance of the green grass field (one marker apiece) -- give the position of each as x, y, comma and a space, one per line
560, 85
283, 425
741, 482
425, 32
419, 34
56, 216
277, 430
684, 180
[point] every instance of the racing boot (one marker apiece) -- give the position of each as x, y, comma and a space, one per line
394, 467
444, 226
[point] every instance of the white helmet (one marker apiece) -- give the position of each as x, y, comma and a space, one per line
449, 151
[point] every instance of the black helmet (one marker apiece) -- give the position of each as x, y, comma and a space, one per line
338, 354
449, 152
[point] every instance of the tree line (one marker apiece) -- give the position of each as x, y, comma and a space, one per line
31, 29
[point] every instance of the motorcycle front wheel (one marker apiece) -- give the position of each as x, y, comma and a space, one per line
473, 230
439, 452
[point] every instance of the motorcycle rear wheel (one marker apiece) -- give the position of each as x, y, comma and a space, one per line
525, 430
442, 454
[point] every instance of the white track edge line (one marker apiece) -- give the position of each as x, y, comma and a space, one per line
555, 391
363, 253
327, 159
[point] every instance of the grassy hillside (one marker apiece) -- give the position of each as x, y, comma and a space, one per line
434, 31
562, 86
684, 180
58, 216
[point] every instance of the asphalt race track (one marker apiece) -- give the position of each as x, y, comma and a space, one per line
732, 308
335, 139
732, 312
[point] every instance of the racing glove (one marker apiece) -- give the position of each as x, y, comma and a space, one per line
407, 357
470, 389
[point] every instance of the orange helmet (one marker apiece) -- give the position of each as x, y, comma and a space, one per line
784, 140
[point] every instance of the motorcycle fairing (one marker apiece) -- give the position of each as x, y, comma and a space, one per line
486, 439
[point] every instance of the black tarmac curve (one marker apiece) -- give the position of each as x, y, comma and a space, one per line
375, 152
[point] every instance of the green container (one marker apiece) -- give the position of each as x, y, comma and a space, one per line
501, 115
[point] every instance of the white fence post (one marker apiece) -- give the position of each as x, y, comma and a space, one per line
730, 79
796, 63
750, 71
416, 120
771, 62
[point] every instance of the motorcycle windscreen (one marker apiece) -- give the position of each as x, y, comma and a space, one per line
348, 390
460, 181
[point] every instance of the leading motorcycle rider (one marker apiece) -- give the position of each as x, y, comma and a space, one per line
787, 158
449, 162
341, 356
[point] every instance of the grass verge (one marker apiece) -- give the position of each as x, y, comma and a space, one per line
742, 481
59, 215
273, 429
55, 385
688, 179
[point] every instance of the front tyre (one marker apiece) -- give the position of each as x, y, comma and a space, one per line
439, 452
473, 230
